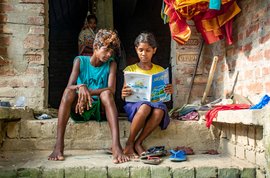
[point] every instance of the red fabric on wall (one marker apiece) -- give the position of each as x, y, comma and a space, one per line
211, 114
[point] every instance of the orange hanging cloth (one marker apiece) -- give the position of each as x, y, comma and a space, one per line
180, 30
214, 25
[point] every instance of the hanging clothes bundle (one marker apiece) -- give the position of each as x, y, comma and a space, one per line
180, 31
213, 24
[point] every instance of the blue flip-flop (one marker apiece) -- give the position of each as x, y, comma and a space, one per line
264, 101
178, 156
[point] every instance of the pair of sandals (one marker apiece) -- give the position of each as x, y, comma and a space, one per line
154, 151
153, 154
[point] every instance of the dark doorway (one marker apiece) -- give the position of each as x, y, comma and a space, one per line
130, 18
66, 18
144, 15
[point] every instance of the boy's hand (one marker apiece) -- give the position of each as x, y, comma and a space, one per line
126, 91
84, 99
169, 89
80, 108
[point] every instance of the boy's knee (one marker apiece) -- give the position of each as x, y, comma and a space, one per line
68, 94
68, 91
106, 94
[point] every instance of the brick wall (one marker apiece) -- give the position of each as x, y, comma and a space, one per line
23, 51
249, 54
243, 141
184, 59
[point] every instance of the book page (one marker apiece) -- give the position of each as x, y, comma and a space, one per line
140, 85
159, 82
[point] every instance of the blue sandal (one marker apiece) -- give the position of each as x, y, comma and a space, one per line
178, 156
264, 101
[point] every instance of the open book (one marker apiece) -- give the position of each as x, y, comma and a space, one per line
148, 87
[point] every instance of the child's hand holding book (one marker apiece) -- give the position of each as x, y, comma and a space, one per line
169, 89
126, 91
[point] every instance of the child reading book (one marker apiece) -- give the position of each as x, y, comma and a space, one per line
145, 116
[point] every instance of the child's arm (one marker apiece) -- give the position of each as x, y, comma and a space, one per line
84, 95
74, 74
112, 77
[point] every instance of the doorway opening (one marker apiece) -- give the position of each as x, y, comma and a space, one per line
66, 18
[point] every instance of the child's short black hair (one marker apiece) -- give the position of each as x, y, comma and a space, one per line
91, 16
146, 37
108, 38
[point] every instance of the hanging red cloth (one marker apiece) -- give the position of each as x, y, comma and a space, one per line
212, 114
214, 25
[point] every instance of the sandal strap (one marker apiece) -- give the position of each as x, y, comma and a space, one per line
178, 152
152, 157
156, 148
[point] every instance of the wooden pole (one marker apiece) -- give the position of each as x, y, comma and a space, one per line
210, 79
194, 72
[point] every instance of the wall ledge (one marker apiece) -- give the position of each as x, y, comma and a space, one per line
11, 114
245, 116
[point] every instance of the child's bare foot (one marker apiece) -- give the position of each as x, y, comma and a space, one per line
139, 148
56, 155
129, 149
119, 156
130, 152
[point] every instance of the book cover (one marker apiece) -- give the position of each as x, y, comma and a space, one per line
148, 87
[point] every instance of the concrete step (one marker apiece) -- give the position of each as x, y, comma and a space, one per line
41, 135
98, 164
